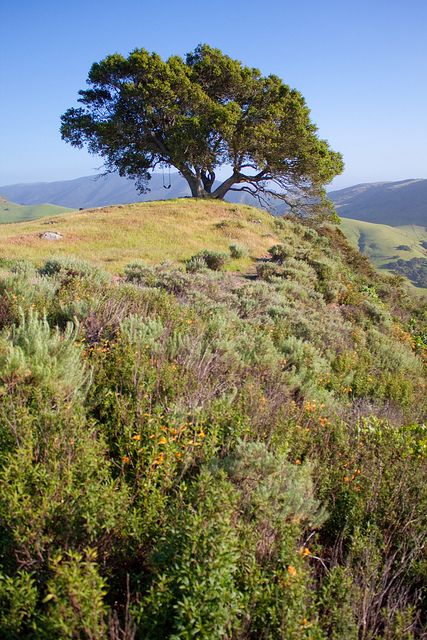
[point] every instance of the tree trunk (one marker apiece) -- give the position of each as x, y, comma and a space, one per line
196, 185
201, 184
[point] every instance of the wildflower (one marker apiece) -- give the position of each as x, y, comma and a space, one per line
159, 460
202, 434
137, 437
163, 440
297, 461
125, 459
292, 571
305, 551
346, 479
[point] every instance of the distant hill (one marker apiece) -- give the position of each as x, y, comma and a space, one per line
12, 212
100, 191
391, 203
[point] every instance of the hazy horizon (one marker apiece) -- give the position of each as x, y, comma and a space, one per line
331, 187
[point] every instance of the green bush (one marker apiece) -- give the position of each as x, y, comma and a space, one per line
214, 260
75, 599
34, 354
68, 267
237, 251
18, 599
196, 264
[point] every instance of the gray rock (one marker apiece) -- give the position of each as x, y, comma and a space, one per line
51, 235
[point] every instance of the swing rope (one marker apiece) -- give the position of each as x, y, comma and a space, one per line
168, 184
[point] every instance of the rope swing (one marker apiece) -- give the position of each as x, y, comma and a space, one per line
166, 179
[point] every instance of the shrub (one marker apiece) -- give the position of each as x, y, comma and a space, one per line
214, 260
279, 253
75, 599
34, 354
247, 459
196, 264
194, 591
69, 267
18, 599
237, 251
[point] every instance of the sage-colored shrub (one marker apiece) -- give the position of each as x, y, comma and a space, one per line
214, 260
237, 251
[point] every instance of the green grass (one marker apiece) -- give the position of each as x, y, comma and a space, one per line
11, 212
152, 231
379, 242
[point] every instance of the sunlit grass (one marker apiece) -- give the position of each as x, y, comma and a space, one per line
152, 231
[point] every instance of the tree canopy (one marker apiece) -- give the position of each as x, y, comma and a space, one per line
198, 114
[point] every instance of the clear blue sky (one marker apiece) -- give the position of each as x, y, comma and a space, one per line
362, 67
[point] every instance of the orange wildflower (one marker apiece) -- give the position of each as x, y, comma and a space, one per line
125, 459
305, 551
292, 571
137, 437
159, 460
163, 440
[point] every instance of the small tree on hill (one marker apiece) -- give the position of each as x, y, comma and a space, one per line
198, 114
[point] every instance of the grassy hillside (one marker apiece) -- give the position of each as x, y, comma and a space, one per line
188, 453
384, 245
11, 212
153, 231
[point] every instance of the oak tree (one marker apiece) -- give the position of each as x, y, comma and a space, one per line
198, 114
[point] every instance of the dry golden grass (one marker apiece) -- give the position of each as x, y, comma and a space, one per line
170, 230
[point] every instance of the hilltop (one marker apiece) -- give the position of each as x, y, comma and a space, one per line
175, 229
152, 231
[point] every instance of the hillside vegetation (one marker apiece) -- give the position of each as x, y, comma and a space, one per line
11, 212
197, 453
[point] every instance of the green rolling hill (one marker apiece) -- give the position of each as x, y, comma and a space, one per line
13, 212
396, 249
